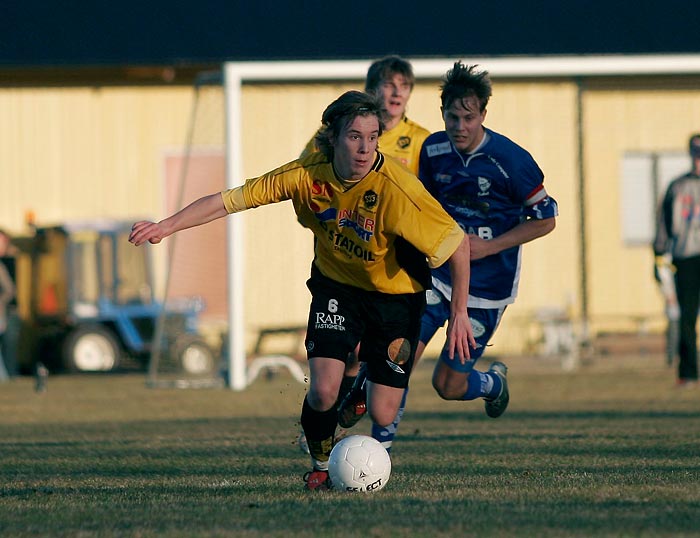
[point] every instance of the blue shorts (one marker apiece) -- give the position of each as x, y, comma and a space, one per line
484, 323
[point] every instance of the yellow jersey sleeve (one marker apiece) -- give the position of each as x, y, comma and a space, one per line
359, 230
275, 186
422, 221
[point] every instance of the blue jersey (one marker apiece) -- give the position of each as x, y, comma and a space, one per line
487, 192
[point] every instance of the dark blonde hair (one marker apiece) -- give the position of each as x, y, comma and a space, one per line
384, 69
341, 113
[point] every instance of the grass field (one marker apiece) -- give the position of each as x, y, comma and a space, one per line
610, 450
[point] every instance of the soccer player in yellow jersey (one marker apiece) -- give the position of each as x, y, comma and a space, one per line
392, 79
375, 226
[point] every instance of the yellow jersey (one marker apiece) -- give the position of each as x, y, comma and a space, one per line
403, 143
360, 231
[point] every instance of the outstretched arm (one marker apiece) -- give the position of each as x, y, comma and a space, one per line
460, 336
199, 212
522, 233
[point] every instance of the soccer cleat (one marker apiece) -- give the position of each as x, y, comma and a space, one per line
317, 480
354, 405
686, 383
495, 407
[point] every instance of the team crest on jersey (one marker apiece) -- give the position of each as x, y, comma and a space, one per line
403, 142
370, 199
484, 186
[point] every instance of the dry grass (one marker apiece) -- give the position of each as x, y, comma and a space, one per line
608, 450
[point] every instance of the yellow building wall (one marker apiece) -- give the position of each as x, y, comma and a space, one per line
278, 121
69, 153
620, 117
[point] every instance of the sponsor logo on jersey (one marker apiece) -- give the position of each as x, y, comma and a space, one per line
499, 166
321, 195
438, 149
466, 212
322, 190
483, 232
403, 142
443, 178
334, 322
328, 214
347, 245
363, 226
464, 204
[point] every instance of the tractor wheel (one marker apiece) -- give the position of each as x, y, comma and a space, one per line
91, 348
193, 355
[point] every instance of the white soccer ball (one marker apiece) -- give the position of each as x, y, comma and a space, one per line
359, 463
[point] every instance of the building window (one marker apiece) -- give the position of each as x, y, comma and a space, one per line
645, 176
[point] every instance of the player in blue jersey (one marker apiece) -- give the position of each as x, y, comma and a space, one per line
494, 189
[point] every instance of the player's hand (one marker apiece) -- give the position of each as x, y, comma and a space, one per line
479, 248
460, 337
144, 230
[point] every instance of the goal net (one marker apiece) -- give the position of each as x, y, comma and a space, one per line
189, 346
224, 321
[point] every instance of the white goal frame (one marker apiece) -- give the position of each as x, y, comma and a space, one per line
238, 73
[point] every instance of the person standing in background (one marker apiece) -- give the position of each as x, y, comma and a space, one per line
8, 307
391, 79
678, 235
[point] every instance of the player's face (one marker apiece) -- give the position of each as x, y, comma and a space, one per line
354, 150
464, 123
395, 91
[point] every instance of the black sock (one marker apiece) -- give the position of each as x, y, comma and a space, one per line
319, 428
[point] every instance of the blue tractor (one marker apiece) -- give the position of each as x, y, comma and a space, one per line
86, 300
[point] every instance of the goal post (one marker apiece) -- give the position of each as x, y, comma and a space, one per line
238, 74
235, 75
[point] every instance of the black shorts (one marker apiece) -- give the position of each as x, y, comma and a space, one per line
387, 325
